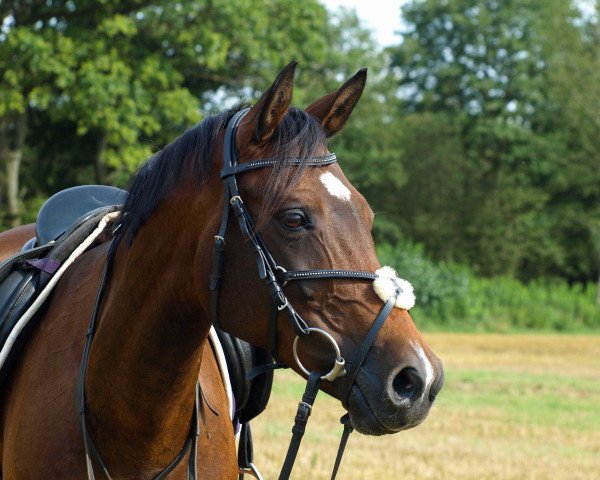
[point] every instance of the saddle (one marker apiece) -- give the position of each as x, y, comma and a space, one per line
64, 222
251, 394
251, 391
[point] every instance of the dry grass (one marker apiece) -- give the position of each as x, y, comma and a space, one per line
514, 407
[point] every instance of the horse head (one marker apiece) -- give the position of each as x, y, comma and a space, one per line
297, 212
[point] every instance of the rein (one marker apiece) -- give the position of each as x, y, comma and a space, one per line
91, 452
276, 277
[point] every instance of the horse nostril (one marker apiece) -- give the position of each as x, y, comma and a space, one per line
436, 386
408, 383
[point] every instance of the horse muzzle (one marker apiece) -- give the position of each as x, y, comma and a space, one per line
400, 402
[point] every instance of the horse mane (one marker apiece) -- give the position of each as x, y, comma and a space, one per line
191, 155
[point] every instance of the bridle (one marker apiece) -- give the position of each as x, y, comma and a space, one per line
276, 277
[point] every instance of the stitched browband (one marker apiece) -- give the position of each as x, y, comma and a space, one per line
324, 274
228, 171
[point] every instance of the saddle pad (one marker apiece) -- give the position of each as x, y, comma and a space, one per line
25, 291
222, 363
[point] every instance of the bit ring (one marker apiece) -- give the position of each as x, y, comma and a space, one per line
338, 368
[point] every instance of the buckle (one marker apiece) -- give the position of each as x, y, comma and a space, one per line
284, 306
283, 271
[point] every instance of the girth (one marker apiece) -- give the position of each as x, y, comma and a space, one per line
276, 277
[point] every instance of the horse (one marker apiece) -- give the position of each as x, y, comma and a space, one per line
149, 356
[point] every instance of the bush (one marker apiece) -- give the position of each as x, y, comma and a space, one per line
502, 304
451, 297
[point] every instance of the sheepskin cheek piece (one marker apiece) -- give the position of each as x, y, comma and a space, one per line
388, 283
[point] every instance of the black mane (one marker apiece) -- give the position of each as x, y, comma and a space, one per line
191, 156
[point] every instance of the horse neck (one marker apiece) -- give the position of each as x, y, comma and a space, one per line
146, 354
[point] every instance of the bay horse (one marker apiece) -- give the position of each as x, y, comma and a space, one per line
150, 349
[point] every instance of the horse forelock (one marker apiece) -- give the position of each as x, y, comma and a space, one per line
298, 136
191, 155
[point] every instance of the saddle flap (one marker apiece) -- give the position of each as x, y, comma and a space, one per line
251, 396
260, 388
25, 275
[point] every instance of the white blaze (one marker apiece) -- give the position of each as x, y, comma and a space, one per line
335, 186
426, 363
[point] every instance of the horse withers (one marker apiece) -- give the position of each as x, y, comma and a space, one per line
290, 209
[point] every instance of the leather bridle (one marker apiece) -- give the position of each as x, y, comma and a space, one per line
276, 277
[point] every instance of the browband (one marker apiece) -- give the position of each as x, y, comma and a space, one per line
228, 171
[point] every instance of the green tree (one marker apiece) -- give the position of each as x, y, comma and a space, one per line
484, 72
115, 81
32, 63
369, 148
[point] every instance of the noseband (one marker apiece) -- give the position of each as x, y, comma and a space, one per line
276, 277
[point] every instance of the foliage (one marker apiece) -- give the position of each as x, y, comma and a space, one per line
121, 79
437, 285
450, 297
499, 176
476, 142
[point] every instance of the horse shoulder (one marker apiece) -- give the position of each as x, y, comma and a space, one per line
40, 427
216, 439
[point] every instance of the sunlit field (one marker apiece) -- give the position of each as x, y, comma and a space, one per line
513, 407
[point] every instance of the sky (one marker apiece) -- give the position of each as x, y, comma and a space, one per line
381, 16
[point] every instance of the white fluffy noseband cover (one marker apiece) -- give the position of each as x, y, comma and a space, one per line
388, 284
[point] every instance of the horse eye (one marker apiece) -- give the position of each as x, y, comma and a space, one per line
293, 219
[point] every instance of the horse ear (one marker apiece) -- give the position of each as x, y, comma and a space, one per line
334, 109
272, 105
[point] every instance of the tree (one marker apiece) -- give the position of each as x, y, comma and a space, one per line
487, 71
575, 86
32, 63
116, 80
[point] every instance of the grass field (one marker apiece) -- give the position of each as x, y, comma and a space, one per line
513, 407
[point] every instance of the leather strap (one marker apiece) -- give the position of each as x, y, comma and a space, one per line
302, 414
229, 156
326, 274
345, 420
245, 447
232, 170
358, 359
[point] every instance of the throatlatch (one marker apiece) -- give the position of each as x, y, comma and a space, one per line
276, 277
